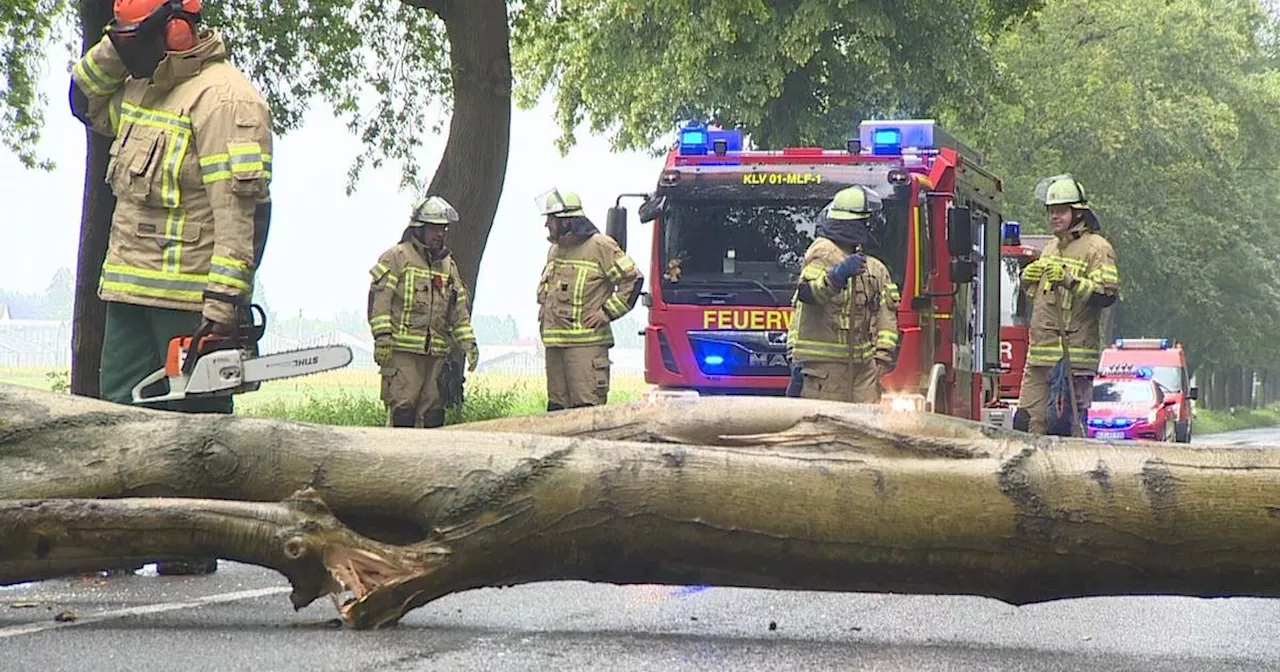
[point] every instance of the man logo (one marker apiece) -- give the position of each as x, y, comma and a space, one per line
759, 359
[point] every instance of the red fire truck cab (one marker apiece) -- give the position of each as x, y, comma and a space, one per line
730, 229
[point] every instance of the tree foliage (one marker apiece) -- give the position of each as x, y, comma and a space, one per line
381, 65
789, 71
1166, 111
27, 30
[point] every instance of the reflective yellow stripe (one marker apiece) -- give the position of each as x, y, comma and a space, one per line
230, 272
813, 272
171, 197
87, 72
380, 269
574, 336
886, 337
615, 306
113, 112
187, 287
464, 332
215, 167
155, 118
246, 157
380, 324
894, 293
579, 289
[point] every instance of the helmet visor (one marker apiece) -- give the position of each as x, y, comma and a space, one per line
551, 202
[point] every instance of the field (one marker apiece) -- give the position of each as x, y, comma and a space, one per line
351, 397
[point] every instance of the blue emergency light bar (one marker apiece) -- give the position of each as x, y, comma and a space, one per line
1128, 370
891, 137
698, 140
1143, 343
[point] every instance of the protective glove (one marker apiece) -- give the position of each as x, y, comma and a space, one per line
854, 264
1034, 271
473, 355
1055, 273
382, 350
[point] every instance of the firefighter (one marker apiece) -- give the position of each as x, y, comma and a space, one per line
844, 334
587, 283
1074, 279
190, 167
417, 310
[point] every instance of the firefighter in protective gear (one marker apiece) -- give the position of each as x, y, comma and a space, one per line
587, 283
1074, 279
190, 167
844, 329
417, 309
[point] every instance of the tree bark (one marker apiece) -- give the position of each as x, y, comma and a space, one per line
474, 165
90, 314
770, 493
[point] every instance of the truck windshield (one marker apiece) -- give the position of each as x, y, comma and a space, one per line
734, 252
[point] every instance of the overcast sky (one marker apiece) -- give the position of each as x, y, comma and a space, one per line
323, 242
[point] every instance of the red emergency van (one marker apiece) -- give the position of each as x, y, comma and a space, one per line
1168, 365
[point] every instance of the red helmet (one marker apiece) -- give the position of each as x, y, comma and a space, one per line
179, 17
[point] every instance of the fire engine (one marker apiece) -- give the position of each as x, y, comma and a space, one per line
730, 229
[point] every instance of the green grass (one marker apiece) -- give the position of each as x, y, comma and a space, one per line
351, 398
1214, 422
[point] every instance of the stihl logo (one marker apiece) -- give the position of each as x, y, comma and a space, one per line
307, 361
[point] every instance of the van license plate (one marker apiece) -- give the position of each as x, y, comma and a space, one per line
1108, 435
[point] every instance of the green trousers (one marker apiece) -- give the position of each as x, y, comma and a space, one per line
136, 343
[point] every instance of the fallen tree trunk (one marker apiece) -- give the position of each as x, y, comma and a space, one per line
773, 493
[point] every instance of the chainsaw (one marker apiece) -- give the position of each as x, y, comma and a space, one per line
225, 365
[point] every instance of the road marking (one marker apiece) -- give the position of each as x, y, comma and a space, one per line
30, 628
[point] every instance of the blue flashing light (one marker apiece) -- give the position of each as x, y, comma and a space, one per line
698, 140
886, 141
1011, 233
1143, 343
1112, 422
713, 360
892, 137
1144, 372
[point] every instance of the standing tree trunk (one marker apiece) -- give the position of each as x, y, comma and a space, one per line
90, 314
474, 165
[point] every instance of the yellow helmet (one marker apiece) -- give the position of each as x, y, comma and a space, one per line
433, 210
557, 204
1062, 190
856, 202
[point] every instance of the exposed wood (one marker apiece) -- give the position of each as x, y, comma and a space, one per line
771, 493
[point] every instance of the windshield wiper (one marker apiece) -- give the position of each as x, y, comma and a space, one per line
700, 282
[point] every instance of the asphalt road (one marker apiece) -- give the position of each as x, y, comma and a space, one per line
240, 619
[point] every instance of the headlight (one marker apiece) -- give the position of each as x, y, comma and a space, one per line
903, 403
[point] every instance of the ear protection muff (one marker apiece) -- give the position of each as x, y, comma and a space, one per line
180, 34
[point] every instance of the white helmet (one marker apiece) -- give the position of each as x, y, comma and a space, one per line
433, 210
556, 204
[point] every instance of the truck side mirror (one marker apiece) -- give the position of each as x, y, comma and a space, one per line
615, 225
1193, 394
651, 208
962, 271
959, 231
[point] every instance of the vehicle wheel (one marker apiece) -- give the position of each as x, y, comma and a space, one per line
1182, 432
